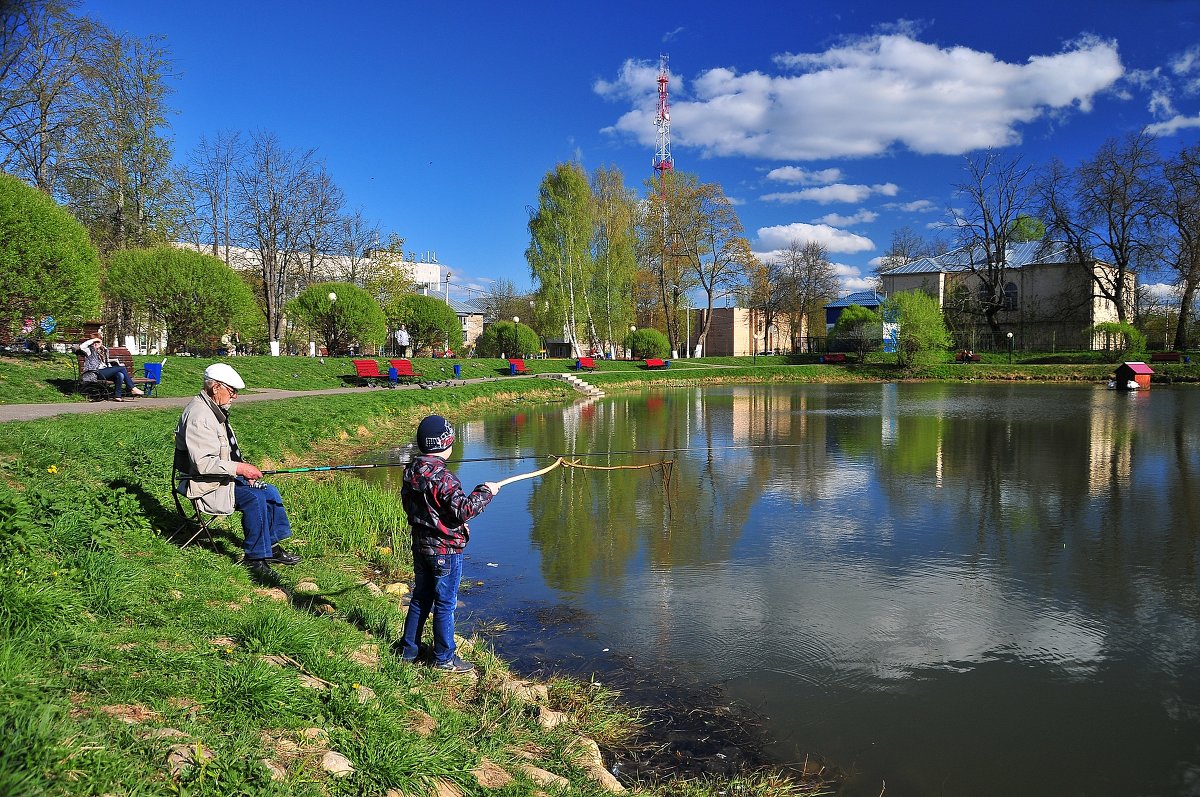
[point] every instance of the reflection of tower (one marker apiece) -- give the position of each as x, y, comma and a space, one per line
888, 412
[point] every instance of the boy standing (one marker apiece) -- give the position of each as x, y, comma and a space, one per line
438, 511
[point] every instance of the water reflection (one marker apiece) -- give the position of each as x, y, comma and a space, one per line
959, 589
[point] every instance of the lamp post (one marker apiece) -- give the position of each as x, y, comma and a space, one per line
1010, 348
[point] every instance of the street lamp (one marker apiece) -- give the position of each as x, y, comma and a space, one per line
1010, 348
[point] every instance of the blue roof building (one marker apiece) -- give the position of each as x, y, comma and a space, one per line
871, 300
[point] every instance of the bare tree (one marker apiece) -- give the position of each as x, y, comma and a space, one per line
45, 54
808, 281
767, 291
271, 187
211, 169
1180, 203
1106, 209
355, 240
998, 192
708, 235
321, 208
121, 185
907, 246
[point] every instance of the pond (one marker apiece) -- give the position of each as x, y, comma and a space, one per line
951, 589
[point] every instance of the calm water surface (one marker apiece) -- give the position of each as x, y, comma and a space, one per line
956, 590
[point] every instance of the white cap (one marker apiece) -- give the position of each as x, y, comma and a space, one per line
220, 372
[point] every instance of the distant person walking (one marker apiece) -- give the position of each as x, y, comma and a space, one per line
402, 341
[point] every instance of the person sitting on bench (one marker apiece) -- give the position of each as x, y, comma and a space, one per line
220, 480
95, 360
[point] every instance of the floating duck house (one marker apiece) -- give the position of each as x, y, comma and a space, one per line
1138, 373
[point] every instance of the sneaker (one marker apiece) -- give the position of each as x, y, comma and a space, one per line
137, 391
454, 665
281, 557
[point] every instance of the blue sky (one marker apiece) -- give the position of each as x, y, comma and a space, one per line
837, 122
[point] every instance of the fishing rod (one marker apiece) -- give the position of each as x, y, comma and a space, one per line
406, 457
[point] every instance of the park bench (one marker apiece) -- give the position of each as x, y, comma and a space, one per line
97, 388
654, 362
367, 372
834, 357
965, 356
404, 370
585, 364
516, 366
1166, 357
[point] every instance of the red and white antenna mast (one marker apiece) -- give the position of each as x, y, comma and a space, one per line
662, 150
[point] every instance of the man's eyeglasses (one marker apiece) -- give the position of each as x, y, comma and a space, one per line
232, 390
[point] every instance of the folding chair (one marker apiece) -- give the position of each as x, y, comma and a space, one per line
203, 521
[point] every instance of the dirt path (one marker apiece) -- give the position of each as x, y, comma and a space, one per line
32, 412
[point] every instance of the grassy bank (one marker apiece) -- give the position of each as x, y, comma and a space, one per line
50, 378
129, 666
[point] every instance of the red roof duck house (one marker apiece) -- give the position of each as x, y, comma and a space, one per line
1138, 373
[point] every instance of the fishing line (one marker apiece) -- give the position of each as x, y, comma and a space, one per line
406, 457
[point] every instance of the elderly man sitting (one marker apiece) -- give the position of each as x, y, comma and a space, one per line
220, 480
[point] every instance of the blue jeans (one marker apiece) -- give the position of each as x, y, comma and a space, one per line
264, 520
118, 376
435, 589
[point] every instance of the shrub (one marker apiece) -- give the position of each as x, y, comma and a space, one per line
1132, 341
48, 267
351, 316
432, 324
644, 343
922, 336
504, 338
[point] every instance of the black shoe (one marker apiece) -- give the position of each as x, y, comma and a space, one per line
455, 665
261, 569
281, 557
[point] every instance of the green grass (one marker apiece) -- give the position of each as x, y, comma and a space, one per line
40, 379
102, 618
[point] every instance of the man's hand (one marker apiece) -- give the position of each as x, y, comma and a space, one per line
248, 472
493, 486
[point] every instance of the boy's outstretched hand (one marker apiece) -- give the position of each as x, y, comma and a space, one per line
493, 486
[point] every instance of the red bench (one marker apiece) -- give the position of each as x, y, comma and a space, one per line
834, 357
404, 369
654, 362
966, 357
367, 372
516, 367
585, 364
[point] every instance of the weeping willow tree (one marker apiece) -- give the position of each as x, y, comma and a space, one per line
560, 255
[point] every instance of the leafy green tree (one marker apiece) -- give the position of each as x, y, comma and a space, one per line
194, 296
48, 267
644, 343
861, 327
614, 252
340, 314
559, 254
1132, 341
923, 337
432, 324
506, 339
1026, 228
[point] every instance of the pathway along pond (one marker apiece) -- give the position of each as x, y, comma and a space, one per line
956, 589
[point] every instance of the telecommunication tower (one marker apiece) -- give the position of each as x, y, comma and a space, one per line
662, 150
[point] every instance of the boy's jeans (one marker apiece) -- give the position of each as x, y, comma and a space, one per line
435, 589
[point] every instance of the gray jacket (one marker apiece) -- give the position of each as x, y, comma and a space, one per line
204, 442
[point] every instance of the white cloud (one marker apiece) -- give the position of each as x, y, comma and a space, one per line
838, 192
866, 97
799, 176
773, 239
1173, 125
862, 216
918, 206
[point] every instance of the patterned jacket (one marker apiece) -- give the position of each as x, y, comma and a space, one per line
437, 507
